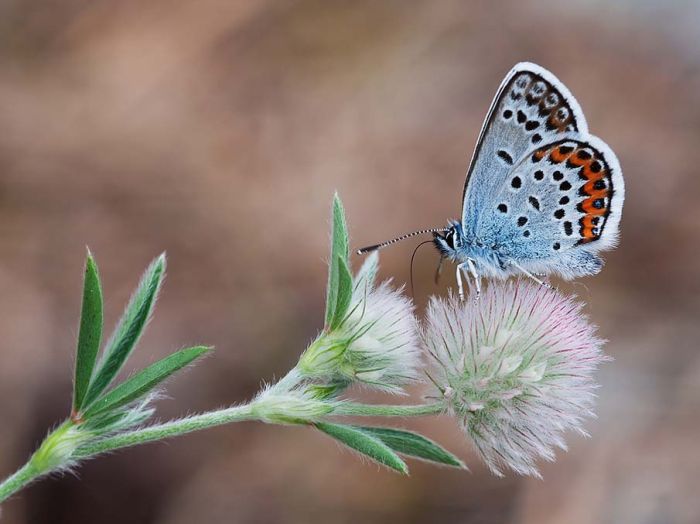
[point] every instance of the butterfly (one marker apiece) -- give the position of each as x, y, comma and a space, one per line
542, 196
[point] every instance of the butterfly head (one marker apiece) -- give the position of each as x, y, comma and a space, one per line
449, 243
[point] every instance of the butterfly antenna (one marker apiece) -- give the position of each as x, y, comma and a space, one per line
375, 247
413, 256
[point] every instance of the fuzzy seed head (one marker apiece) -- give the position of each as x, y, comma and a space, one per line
516, 368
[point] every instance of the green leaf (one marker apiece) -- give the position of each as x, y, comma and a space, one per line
339, 251
413, 444
332, 293
145, 380
365, 444
90, 332
128, 330
344, 294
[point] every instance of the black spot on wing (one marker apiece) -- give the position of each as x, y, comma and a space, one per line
534, 202
505, 156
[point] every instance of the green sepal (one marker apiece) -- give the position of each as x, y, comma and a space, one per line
90, 334
364, 443
327, 391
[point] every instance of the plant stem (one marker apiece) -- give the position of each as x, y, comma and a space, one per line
32, 470
18, 480
237, 414
378, 410
168, 429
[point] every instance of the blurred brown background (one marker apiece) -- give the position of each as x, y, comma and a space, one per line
218, 131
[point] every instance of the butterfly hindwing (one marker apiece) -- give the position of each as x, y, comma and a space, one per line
531, 108
560, 198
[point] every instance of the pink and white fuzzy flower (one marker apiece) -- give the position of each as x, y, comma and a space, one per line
516, 368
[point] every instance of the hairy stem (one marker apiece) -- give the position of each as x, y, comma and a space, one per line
41, 464
173, 428
379, 410
18, 480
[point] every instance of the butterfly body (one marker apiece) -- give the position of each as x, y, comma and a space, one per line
542, 195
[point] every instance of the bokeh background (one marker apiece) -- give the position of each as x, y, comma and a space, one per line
218, 131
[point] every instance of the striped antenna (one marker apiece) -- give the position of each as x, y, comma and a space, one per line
375, 247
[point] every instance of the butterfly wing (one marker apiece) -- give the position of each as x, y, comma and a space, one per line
558, 206
531, 107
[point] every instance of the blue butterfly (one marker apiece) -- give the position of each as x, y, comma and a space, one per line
542, 195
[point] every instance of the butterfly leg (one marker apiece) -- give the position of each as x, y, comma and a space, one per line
468, 268
460, 286
475, 276
533, 277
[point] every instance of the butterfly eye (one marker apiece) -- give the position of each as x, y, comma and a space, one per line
449, 239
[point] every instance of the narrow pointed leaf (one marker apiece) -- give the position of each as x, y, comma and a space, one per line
413, 444
339, 249
145, 380
129, 329
365, 444
90, 332
332, 293
344, 293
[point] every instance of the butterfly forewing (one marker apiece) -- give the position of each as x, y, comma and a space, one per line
531, 108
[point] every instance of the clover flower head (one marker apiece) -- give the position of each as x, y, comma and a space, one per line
376, 343
516, 368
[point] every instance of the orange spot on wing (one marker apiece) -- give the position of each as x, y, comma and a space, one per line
590, 210
578, 162
557, 156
